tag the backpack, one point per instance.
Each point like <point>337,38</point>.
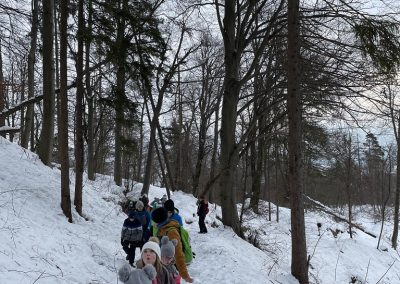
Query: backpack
<point>185,240</point>
<point>206,210</point>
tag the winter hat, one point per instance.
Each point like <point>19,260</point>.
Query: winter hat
<point>137,276</point>
<point>159,215</point>
<point>153,246</point>
<point>139,205</point>
<point>168,247</point>
<point>169,205</point>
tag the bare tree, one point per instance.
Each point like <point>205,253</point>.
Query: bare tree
<point>28,123</point>
<point>238,29</point>
<point>299,264</point>
<point>63,120</point>
<point>79,111</point>
<point>2,93</point>
<point>46,140</point>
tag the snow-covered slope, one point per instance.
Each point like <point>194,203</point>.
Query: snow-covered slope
<point>38,245</point>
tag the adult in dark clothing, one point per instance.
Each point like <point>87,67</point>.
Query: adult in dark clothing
<point>131,235</point>
<point>202,210</point>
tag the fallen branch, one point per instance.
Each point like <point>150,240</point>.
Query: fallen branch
<point>327,210</point>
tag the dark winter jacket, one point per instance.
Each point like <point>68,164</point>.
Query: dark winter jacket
<point>202,208</point>
<point>132,230</point>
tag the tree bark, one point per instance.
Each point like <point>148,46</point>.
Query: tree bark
<point>397,194</point>
<point>2,93</point>
<point>90,99</point>
<point>119,94</point>
<point>63,120</point>
<point>79,110</point>
<point>46,140</point>
<point>299,266</point>
<point>31,75</point>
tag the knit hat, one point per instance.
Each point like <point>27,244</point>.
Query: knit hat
<point>168,247</point>
<point>137,276</point>
<point>159,215</point>
<point>139,205</point>
<point>169,205</point>
<point>153,246</point>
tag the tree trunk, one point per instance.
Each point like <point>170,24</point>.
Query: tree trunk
<point>215,150</point>
<point>228,120</point>
<point>2,93</point>
<point>46,140</point>
<point>31,75</point>
<point>79,153</point>
<point>63,120</point>
<point>299,264</point>
<point>397,195</point>
<point>90,99</point>
<point>120,94</point>
<point>138,172</point>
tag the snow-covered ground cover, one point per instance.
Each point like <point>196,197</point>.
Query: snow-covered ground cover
<point>38,245</point>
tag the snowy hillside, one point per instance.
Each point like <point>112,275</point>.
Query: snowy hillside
<point>38,245</point>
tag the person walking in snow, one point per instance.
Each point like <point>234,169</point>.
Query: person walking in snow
<point>131,235</point>
<point>173,213</point>
<point>168,257</point>
<point>170,228</point>
<point>202,210</point>
<point>145,219</point>
<point>151,255</point>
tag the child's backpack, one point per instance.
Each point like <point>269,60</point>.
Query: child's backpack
<point>186,247</point>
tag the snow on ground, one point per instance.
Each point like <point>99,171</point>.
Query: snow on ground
<point>38,245</point>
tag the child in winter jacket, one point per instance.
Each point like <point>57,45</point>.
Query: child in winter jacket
<point>137,276</point>
<point>168,257</point>
<point>131,235</point>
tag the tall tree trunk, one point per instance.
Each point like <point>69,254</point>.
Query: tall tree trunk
<point>397,195</point>
<point>139,162</point>
<point>179,158</point>
<point>228,120</point>
<point>46,140</point>
<point>90,99</point>
<point>215,150</point>
<point>2,92</point>
<point>57,75</point>
<point>31,75</point>
<point>79,154</point>
<point>165,154</point>
<point>348,187</point>
<point>120,94</point>
<point>299,264</point>
<point>63,120</point>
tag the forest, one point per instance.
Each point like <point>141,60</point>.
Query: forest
<point>268,100</point>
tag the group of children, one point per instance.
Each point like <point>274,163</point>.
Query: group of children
<point>162,258</point>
